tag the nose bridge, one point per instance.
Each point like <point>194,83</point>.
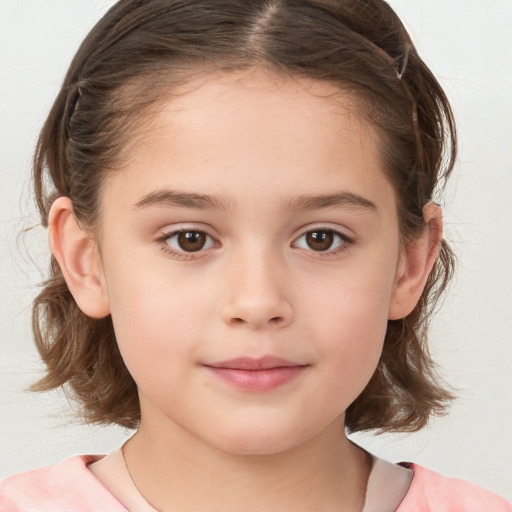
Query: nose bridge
<point>257,292</point>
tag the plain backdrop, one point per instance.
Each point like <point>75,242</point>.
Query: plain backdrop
<point>467,43</point>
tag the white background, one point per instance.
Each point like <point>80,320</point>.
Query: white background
<point>468,45</point>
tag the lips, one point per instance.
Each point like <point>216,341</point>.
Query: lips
<point>257,374</point>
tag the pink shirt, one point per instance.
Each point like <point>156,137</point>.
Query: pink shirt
<point>71,487</point>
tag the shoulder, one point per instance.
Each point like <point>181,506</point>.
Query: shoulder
<point>66,487</point>
<point>432,492</point>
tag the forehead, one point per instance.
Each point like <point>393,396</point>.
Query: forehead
<point>256,88</point>
<point>248,99</point>
<point>257,125</point>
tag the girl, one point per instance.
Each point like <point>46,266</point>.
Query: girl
<point>245,258</point>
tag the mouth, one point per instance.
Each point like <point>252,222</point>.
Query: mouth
<point>257,374</point>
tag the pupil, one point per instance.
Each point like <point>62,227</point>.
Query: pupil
<point>191,241</point>
<point>320,240</point>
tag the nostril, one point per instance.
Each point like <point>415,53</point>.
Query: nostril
<point>276,320</point>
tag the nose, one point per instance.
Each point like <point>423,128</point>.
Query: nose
<point>258,296</point>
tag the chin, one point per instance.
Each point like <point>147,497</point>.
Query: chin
<point>264,441</point>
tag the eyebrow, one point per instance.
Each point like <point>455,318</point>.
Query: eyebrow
<point>173,198</point>
<point>305,202</point>
<point>336,200</point>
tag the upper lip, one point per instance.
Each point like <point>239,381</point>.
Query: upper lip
<point>254,363</point>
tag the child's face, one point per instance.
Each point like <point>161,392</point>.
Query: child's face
<point>289,249</point>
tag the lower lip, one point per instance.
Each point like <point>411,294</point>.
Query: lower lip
<point>258,380</point>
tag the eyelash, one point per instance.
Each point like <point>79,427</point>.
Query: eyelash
<point>344,243</point>
<point>163,240</point>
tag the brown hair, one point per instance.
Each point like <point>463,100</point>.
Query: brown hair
<point>137,53</point>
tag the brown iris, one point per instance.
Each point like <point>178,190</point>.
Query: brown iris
<point>320,240</point>
<point>191,241</point>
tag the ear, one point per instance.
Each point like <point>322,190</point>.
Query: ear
<point>416,263</point>
<point>79,260</point>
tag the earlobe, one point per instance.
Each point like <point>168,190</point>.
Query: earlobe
<point>418,259</point>
<point>78,258</point>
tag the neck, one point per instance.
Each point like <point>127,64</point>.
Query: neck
<point>175,471</point>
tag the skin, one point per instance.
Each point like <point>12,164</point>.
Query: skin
<point>257,143</point>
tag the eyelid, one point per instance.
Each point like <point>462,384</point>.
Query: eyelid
<point>180,227</point>
<point>348,239</point>
<point>325,226</point>
<point>171,231</point>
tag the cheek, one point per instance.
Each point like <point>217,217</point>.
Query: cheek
<point>154,320</point>
<point>353,337</point>
<point>351,323</point>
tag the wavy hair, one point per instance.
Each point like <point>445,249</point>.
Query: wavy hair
<point>140,51</point>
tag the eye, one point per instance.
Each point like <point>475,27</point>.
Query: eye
<point>188,241</point>
<point>322,240</point>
